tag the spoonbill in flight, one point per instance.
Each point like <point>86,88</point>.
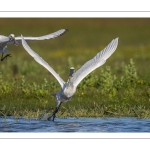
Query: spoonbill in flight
<point>68,88</point>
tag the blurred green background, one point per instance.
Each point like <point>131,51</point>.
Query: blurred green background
<point>86,37</point>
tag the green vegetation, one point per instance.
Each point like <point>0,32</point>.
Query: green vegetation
<point>103,95</point>
<point>121,87</point>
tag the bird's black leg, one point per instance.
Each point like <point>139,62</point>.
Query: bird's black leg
<point>3,57</point>
<point>52,116</point>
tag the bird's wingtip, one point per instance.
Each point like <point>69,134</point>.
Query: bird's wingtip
<point>116,39</point>
<point>67,29</point>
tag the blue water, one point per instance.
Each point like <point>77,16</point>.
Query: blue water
<point>122,124</point>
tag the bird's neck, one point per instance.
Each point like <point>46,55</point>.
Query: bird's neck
<point>69,82</point>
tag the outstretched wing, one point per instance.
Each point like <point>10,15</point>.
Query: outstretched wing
<point>94,63</point>
<point>42,62</point>
<point>45,37</point>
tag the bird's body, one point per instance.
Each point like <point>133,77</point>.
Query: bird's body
<point>11,39</point>
<point>68,88</point>
<point>4,40</point>
<point>66,92</point>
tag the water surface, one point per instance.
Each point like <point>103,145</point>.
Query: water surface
<point>122,124</point>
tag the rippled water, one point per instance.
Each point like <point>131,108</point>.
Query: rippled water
<point>121,124</point>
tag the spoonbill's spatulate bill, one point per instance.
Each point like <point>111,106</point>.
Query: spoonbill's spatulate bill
<point>69,88</point>
<point>11,39</point>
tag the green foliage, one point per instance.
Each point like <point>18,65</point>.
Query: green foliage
<point>130,75</point>
<point>103,95</point>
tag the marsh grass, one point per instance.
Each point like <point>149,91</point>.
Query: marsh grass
<point>96,96</point>
<point>121,87</point>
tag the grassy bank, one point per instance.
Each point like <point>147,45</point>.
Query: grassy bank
<point>97,96</point>
<point>121,87</point>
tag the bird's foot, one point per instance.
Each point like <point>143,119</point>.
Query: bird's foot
<point>8,55</point>
<point>51,117</point>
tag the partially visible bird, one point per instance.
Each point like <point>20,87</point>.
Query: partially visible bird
<point>11,39</point>
<point>69,88</point>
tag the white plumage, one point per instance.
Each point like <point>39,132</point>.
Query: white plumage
<point>69,88</point>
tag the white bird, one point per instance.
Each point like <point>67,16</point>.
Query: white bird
<point>11,39</point>
<point>69,88</point>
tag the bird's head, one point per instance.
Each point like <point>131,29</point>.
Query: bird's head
<point>71,72</point>
<point>12,38</point>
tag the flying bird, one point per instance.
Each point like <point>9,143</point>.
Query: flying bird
<point>68,88</point>
<point>11,39</point>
